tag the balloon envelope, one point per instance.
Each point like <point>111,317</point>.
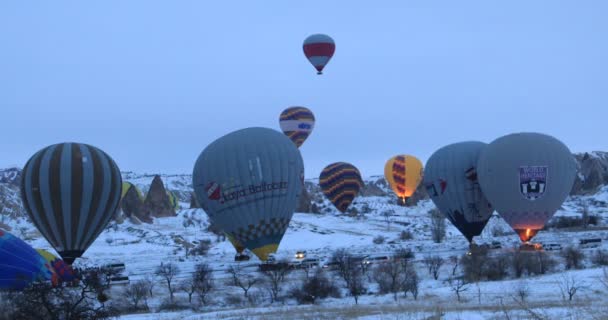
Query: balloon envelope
<point>340,182</point>
<point>526,177</point>
<point>403,174</point>
<point>62,270</point>
<point>319,48</point>
<point>20,264</point>
<point>297,123</point>
<point>450,178</point>
<point>249,182</point>
<point>71,191</point>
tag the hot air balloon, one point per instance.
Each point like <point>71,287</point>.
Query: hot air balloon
<point>403,174</point>
<point>249,182</point>
<point>64,272</point>
<point>70,191</point>
<point>526,177</point>
<point>20,264</point>
<point>450,178</point>
<point>340,182</point>
<point>173,200</point>
<point>126,186</point>
<point>319,48</point>
<point>297,123</point>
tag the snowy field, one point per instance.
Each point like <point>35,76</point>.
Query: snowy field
<point>143,247</point>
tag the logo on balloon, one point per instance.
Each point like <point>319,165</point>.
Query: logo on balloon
<point>533,181</point>
<point>213,191</point>
<point>304,126</point>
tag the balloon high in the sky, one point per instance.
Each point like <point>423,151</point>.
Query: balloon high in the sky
<point>297,123</point>
<point>450,178</point>
<point>249,183</point>
<point>20,264</point>
<point>319,48</point>
<point>403,174</point>
<point>526,177</point>
<point>340,182</point>
<point>71,191</point>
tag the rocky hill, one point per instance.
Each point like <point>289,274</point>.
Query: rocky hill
<point>592,175</point>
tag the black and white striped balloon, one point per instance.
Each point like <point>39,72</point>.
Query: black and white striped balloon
<point>71,191</point>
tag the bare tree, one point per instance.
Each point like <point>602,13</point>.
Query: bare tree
<point>203,281</point>
<point>574,257</point>
<point>242,280</point>
<point>569,286</point>
<point>387,214</point>
<point>410,280</point>
<point>433,264</point>
<point>389,277</point>
<point>276,277</point>
<point>168,272</point>
<point>356,285</point>
<point>150,284</point>
<point>585,215</point>
<point>136,293</point>
<point>189,287</point>
<point>438,225</point>
<point>600,257</point>
<point>455,263</point>
<point>319,286</point>
<point>458,285</point>
<point>521,291</point>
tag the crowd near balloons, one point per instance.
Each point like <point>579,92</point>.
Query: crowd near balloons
<point>249,183</point>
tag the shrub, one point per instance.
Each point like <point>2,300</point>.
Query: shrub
<point>573,257</point>
<point>319,286</point>
<point>406,235</point>
<point>379,239</point>
<point>600,257</point>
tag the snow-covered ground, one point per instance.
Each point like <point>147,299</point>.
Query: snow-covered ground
<point>143,247</point>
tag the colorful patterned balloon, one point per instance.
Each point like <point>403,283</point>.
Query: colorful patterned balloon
<point>20,264</point>
<point>297,123</point>
<point>340,182</point>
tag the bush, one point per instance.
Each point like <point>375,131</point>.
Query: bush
<point>406,235</point>
<point>319,286</point>
<point>573,257</point>
<point>379,239</point>
<point>600,257</point>
<point>202,248</point>
<point>403,254</point>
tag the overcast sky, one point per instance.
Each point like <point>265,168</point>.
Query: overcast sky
<point>153,82</point>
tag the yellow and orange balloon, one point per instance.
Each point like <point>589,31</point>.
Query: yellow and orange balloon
<point>403,173</point>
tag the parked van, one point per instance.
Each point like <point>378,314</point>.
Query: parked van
<point>590,243</point>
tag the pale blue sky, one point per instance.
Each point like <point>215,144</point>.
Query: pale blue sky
<point>153,82</point>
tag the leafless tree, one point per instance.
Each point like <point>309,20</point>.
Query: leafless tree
<point>521,291</point>
<point>438,225</point>
<point>356,285</point>
<point>203,281</point>
<point>168,272</point>
<point>573,257</point>
<point>276,277</point>
<point>433,264</point>
<point>458,285</point>
<point>189,287</point>
<point>410,280</point>
<point>455,263</point>
<point>585,215</point>
<point>319,286</point>
<point>389,277</point>
<point>242,280</point>
<point>569,285</point>
<point>600,257</point>
<point>136,293</point>
<point>150,283</point>
<point>387,214</point>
